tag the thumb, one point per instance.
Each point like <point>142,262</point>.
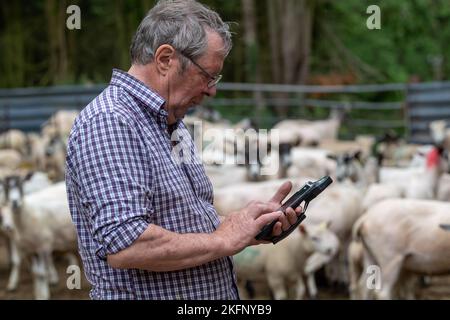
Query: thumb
<point>282,192</point>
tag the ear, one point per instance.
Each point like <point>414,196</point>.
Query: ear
<point>302,229</point>
<point>332,157</point>
<point>163,58</point>
<point>28,176</point>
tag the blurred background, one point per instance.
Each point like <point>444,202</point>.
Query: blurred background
<point>384,93</point>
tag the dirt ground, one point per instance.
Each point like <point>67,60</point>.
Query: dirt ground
<point>438,288</point>
<point>25,287</point>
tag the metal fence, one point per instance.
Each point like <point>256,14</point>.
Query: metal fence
<point>425,103</point>
<point>415,106</point>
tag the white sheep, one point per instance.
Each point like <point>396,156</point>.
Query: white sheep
<point>60,124</point>
<point>14,139</point>
<point>403,237</point>
<point>341,205</point>
<point>10,159</point>
<point>284,264</point>
<point>310,133</point>
<point>309,162</point>
<point>40,225</point>
<point>234,197</point>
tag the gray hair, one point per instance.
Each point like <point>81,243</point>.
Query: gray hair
<point>181,24</point>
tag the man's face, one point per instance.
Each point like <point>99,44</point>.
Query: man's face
<point>188,88</point>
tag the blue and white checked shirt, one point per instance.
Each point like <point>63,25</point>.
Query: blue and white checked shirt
<point>121,177</point>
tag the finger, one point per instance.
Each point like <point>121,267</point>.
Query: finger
<point>259,209</point>
<point>299,210</point>
<point>284,222</point>
<point>277,229</point>
<point>268,218</point>
<point>291,216</point>
<point>282,192</point>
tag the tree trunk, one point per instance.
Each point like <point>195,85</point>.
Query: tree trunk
<point>253,70</point>
<point>56,30</point>
<point>292,22</point>
<point>274,34</point>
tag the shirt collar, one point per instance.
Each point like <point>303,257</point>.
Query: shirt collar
<point>139,90</point>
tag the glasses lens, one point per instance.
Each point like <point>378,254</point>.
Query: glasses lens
<point>215,81</point>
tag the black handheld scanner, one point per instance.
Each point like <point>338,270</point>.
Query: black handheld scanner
<point>306,194</point>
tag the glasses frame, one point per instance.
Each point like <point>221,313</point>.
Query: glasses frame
<point>214,80</point>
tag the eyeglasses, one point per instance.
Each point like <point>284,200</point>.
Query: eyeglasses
<point>214,80</point>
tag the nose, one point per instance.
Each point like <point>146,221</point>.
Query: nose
<point>210,92</point>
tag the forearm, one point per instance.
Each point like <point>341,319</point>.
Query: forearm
<point>158,249</point>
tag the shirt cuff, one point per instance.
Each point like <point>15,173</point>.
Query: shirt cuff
<point>122,237</point>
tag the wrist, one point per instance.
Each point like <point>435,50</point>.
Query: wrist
<point>220,244</point>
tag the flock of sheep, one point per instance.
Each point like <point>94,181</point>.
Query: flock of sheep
<point>388,207</point>
<point>34,213</point>
<point>387,210</point>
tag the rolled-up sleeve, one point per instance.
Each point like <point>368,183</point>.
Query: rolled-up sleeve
<point>113,169</point>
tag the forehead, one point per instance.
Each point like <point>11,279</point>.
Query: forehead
<point>213,56</point>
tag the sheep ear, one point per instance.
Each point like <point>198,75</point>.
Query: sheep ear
<point>302,229</point>
<point>28,176</point>
<point>332,157</point>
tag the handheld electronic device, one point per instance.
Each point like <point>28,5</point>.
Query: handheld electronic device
<point>307,193</point>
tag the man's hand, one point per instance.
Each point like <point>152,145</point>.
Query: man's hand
<point>239,229</point>
<point>285,221</point>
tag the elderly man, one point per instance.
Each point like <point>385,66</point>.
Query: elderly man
<point>146,224</point>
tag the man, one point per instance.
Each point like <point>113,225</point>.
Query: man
<point>146,225</point>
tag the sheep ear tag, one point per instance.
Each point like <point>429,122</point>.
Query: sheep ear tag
<point>306,194</point>
<point>433,158</point>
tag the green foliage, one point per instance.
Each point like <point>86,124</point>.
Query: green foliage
<point>413,39</point>
<point>413,43</point>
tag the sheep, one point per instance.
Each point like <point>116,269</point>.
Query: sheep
<point>15,187</point>
<point>271,163</point>
<point>414,182</point>
<point>285,262</point>
<point>309,162</point>
<point>14,139</point>
<point>379,192</point>
<point>290,132</point>
<point>41,225</point>
<point>223,144</point>
<point>362,144</point>
<point>10,158</point>
<point>402,237</point>
<point>443,191</point>
<point>234,197</point>
<point>310,133</point>
<point>425,184</point>
<point>55,160</point>
<point>341,204</point>
<point>59,124</point>
<point>225,175</point>
<point>355,256</point>
<point>37,150</point>
<point>440,133</point>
